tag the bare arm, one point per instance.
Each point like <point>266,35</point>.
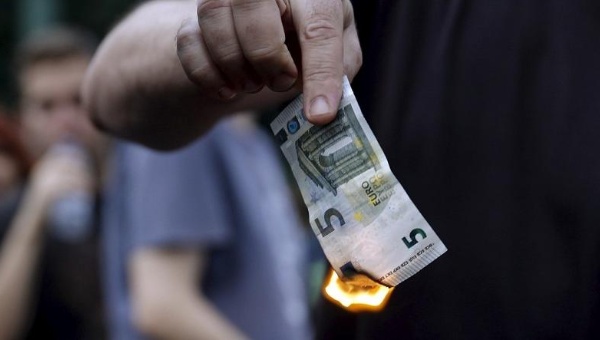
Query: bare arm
<point>20,251</point>
<point>146,85</point>
<point>167,302</point>
<point>18,261</point>
<point>136,87</point>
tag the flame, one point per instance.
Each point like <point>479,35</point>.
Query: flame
<point>358,294</point>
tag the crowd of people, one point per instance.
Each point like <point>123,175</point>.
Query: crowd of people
<point>487,112</point>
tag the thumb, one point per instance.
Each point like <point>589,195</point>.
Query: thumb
<point>320,25</point>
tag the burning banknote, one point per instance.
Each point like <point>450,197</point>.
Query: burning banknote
<point>365,222</point>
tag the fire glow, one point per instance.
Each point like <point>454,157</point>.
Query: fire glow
<point>357,295</point>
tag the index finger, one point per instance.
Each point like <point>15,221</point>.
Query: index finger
<point>261,35</point>
<point>320,27</point>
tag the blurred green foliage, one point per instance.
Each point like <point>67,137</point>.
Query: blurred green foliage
<point>19,17</point>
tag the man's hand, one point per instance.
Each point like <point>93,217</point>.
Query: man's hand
<point>239,46</point>
<point>137,88</point>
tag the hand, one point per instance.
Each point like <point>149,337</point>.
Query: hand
<point>56,175</point>
<point>238,46</point>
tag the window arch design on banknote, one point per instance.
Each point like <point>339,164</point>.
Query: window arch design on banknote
<point>361,215</point>
<point>333,154</point>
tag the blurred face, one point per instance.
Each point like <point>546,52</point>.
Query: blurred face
<point>51,107</point>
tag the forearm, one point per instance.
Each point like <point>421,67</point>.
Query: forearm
<point>167,302</point>
<point>135,65</point>
<point>186,316</point>
<point>18,262</point>
<point>136,86</point>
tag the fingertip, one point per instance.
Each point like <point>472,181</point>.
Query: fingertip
<point>321,120</point>
<point>321,110</point>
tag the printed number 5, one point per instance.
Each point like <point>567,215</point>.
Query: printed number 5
<point>328,215</point>
<point>413,237</point>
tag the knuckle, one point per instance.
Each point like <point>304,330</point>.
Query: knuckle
<point>354,54</point>
<point>201,75</point>
<point>229,54</point>
<point>208,8</point>
<point>321,30</point>
<point>207,79</point>
<point>246,6</point>
<point>186,36</point>
<point>359,59</point>
<point>352,68</point>
<point>348,13</point>
<point>321,74</point>
<point>266,54</point>
<point>186,58</point>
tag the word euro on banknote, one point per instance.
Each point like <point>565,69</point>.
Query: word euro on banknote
<point>363,218</point>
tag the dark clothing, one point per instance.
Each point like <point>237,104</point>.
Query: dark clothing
<point>8,207</point>
<point>489,114</point>
<point>66,301</point>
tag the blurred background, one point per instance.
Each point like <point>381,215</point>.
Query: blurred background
<point>18,18</point>
<point>81,239</point>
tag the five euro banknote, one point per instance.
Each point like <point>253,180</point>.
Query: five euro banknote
<point>361,215</point>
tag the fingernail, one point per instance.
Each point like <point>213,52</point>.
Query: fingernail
<point>283,82</point>
<point>319,106</point>
<point>226,93</point>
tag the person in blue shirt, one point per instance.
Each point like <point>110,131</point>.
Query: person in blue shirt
<point>205,242</point>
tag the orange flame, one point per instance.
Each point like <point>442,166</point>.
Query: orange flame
<point>358,294</point>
